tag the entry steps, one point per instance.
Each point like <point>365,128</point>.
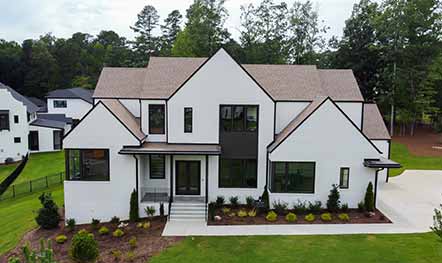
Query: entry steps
<point>188,211</point>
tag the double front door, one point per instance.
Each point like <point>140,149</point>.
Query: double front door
<point>188,178</point>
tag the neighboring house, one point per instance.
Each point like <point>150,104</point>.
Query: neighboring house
<point>192,129</point>
<point>74,102</point>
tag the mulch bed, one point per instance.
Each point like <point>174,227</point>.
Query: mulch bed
<point>423,142</point>
<point>149,241</point>
<point>356,217</point>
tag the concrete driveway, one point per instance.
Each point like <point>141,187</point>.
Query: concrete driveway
<point>410,199</point>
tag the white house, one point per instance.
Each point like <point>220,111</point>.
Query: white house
<point>73,102</point>
<point>191,129</point>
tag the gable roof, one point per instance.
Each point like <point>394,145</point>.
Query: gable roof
<point>73,93</point>
<point>48,123</point>
<point>373,125</point>
<point>164,75</point>
<point>30,106</point>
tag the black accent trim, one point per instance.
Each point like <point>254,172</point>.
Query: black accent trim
<point>44,126</point>
<point>207,179</point>
<point>168,152</point>
<point>108,155</point>
<point>136,174</point>
<point>166,119</point>
<point>274,120</point>
<point>362,117</point>
<point>389,157</point>
<point>172,175</point>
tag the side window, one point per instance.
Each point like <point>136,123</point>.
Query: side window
<point>16,118</point>
<point>60,104</point>
<point>4,120</point>
<point>344,178</point>
<point>87,165</point>
<point>157,166</point>
<point>17,140</point>
<point>156,119</point>
<point>188,119</point>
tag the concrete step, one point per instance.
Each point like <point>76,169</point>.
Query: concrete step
<point>188,205</point>
<point>187,217</point>
<point>188,209</point>
<point>172,213</point>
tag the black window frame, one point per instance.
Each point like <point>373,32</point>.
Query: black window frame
<point>163,176</point>
<point>286,174</point>
<point>341,181</point>
<point>4,121</point>
<point>64,104</point>
<point>60,143</point>
<point>243,184</point>
<point>152,108</point>
<point>188,127</point>
<point>81,168</point>
<point>16,119</point>
<point>17,139</point>
<point>245,122</point>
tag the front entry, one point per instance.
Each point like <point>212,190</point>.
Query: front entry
<point>188,178</point>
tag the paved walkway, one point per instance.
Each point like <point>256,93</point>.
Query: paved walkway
<point>408,200</point>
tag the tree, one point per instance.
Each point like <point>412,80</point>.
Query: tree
<point>369,198</point>
<point>47,216</point>
<point>145,44</point>
<point>134,210</point>
<point>333,202</point>
<point>10,64</point>
<point>170,29</point>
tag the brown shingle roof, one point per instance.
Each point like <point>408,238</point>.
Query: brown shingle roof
<point>373,126</point>
<point>120,83</point>
<point>340,84</point>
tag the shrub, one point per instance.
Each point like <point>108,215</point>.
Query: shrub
<point>271,216</point>
<point>315,207</point>
<point>133,242</point>
<point>344,208</point>
<point>47,216</point>
<point>133,211</point>
<point>220,201</point>
<point>361,207</point>
<point>44,254</point>
<point>280,207</point>
<point>161,209</point>
<point>150,211</point>
<point>265,198</point>
<point>146,225</point>
<point>95,223</point>
<point>291,217</point>
<point>437,222</point>
<point>333,199</point>
<point>130,256</point>
<point>70,224</point>
<point>369,198</point>
<point>300,207</point>
<point>84,248</point>
<point>117,254</point>
<point>242,213</point>
<point>226,210</point>
<point>115,220</point>
<point>103,230</point>
<point>344,217</point>
<point>234,201</point>
<point>61,239</point>
<point>252,213</point>
<point>326,217</point>
<point>310,217</point>
<point>118,233</point>
<point>250,201</point>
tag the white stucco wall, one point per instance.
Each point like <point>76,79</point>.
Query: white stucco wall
<point>286,112</point>
<point>145,120</point>
<point>45,138</point>
<point>383,146</point>
<point>9,149</point>
<point>353,111</point>
<point>76,108</point>
<point>102,200</point>
<point>331,141</point>
<point>132,105</point>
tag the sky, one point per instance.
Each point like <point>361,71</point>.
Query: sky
<point>24,19</point>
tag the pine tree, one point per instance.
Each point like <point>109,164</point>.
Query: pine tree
<point>369,198</point>
<point>333,202</point>
<point>134,210</point>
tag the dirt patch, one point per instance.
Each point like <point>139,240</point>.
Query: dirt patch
<point>149,241</point>
<point>425,142</point>
<point>355,218</point>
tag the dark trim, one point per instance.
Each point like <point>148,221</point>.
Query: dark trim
<point>164,118</point>
<point>207,179</point>
<point>53,140</point>
<point>380,139</point>
<point>136,174</point>
<point>376,186</point>
<point>164,167</point>
<point>267,168</point>
<point>71,98</point>
<point>199,176</point>
<point>129,98</point>
<point>169,152</point>
<point>286,175</point>
<point>141,117</point>
<point>44,126</point>
<point>172,175</point>
<point>108,155</point>
<point>340,178</point>
<point>362,117</point>
<point>389,157</point>
<point>343,101</point>
<point>274,120</point>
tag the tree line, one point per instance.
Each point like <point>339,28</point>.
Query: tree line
<point>393,47</point>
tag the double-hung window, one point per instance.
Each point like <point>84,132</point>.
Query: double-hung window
<point>344,178</point>
<point>156,118</point>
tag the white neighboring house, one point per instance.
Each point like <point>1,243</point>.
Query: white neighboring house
<point>185,130</point>
<point>73,102</point>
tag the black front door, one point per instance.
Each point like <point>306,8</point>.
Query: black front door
<point>188,178</point>
<point>33,141</point>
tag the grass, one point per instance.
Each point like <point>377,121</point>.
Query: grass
<point>329,249</point>
<point>400,153</point>
<point>42,164</point>
<point>17,216</point>
<point>6,170</point>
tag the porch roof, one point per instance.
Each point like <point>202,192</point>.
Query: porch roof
<point>381,163</point>
<point>172,148</point>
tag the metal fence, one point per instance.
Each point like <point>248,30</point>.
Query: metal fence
<point>20,189</point>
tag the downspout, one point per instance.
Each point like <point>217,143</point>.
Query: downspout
<point>376,186</point>
<point>136,178</point>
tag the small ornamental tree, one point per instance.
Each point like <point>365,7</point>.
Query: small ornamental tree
<point>265,198</point>
<point>47,216</point>
<point>369,198</point>
<point>437,225</point>
<point>333,202</point>
<point>134,211</point>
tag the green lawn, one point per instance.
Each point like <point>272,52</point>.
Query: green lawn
<point>400,153</point>
<point>328,249</point>
<point>17,216</point>
<point>6,170</point>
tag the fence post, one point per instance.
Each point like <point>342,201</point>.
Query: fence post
<point>30,186</point>
<point>47,185</point>
<point>13,191</point>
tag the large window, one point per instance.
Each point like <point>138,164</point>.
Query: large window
<point>344,178</point>
<point>237,173</point>
<point>293,177</point>
<point>87,165</point>
<point>57,139</point>
<point>188,118</point>
<point>239,118</point>
<point>4,120</point>
<point>60,104</point>
<point>156,119</point>
<point>157,166</point>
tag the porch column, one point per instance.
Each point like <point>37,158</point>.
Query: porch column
<point>171,180</point>
<point>207,179</point>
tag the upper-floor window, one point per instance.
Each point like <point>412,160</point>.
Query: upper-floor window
<point>238,118</point>
<point>4,120</point>
<point>188,120</point>
<point>87,165</point>
<point>156,118</point>
<point>16,118</point>
<point>344,178</point>
<point>60,104</point>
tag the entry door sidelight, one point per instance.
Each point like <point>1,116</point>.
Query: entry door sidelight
<point>188,178</point>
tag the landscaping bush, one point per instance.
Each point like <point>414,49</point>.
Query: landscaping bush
<point>326,217</point>
<point>310,217</point>
<point>250,201</point>
<point>84,248</point>
<point>265,198</point>
<point>300,207</point>
<point>133,211</point>
<point>103,230</point>
<point>47,216</point>
<point>150,211</point>
<point>291,217</point>
<point>280,207</point>
<point>234,201</point>
<point>242,213</point>
<point>130,256</point>
<point>61,239</point>
<point>315,207</point>
<point>344,208</point>
<point>43,255</point>
<point>333,199</point>
<point>95,223</point>
<point>437,224</point>
<point>361,207</point>
<point>115,220</point>
<point>271,216</point>
<point>226,210</point>
<point>344,217</point>
<point>369,198</point>
<point>252,213</point>
<point>117,254</point>
<point>70,224</point>
<point>145,225</point>
<point>118,233</point>
<point>161,209</point>
<point>133,242</point>
<point>220,201</point>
